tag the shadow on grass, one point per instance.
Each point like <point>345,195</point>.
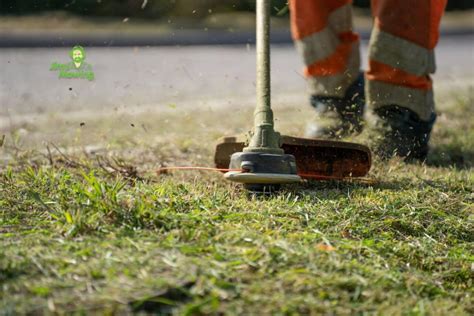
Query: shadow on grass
<point>165,302</point>
<point>451,155</point>
<point>340,188</point>
<point>344,186</point>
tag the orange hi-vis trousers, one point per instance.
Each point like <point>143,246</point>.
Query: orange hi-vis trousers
<point>401,56</point>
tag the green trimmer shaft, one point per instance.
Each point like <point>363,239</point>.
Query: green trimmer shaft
<point>265,165</point>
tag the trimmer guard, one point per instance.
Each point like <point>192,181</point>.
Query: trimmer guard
<point>314,157</point>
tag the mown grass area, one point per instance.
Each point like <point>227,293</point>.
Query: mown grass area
<point>98,231</point>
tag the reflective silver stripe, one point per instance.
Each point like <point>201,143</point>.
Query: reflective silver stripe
<point>400,53</point>
<point>317,46</point>
<point>380,94</point>
<point>336,85</point>
<point>322,44</point>
<point>340,20</point>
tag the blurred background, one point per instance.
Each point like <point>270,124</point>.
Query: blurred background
<point>142,17</point>
<point>150,56</point>
<point>159,8</point>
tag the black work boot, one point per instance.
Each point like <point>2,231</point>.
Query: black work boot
<point>339,117</point>
<point>402,133</point>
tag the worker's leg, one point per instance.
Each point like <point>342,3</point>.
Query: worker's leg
<point>401,55</point>
<point>322,31</point>
<point>401,59</point>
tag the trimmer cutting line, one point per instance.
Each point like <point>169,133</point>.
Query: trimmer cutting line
<point>270,159</point>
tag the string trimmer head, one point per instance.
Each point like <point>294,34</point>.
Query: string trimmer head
<point>269,159</point>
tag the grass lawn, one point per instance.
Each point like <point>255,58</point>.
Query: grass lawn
<point>86,225</point>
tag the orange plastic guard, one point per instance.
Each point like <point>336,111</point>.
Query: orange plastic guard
<point>314,157</point>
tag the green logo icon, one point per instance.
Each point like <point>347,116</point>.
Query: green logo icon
<point>77,68</point>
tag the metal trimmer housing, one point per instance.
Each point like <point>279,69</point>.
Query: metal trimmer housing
<point>263,163</point>
<point>261,172</point>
